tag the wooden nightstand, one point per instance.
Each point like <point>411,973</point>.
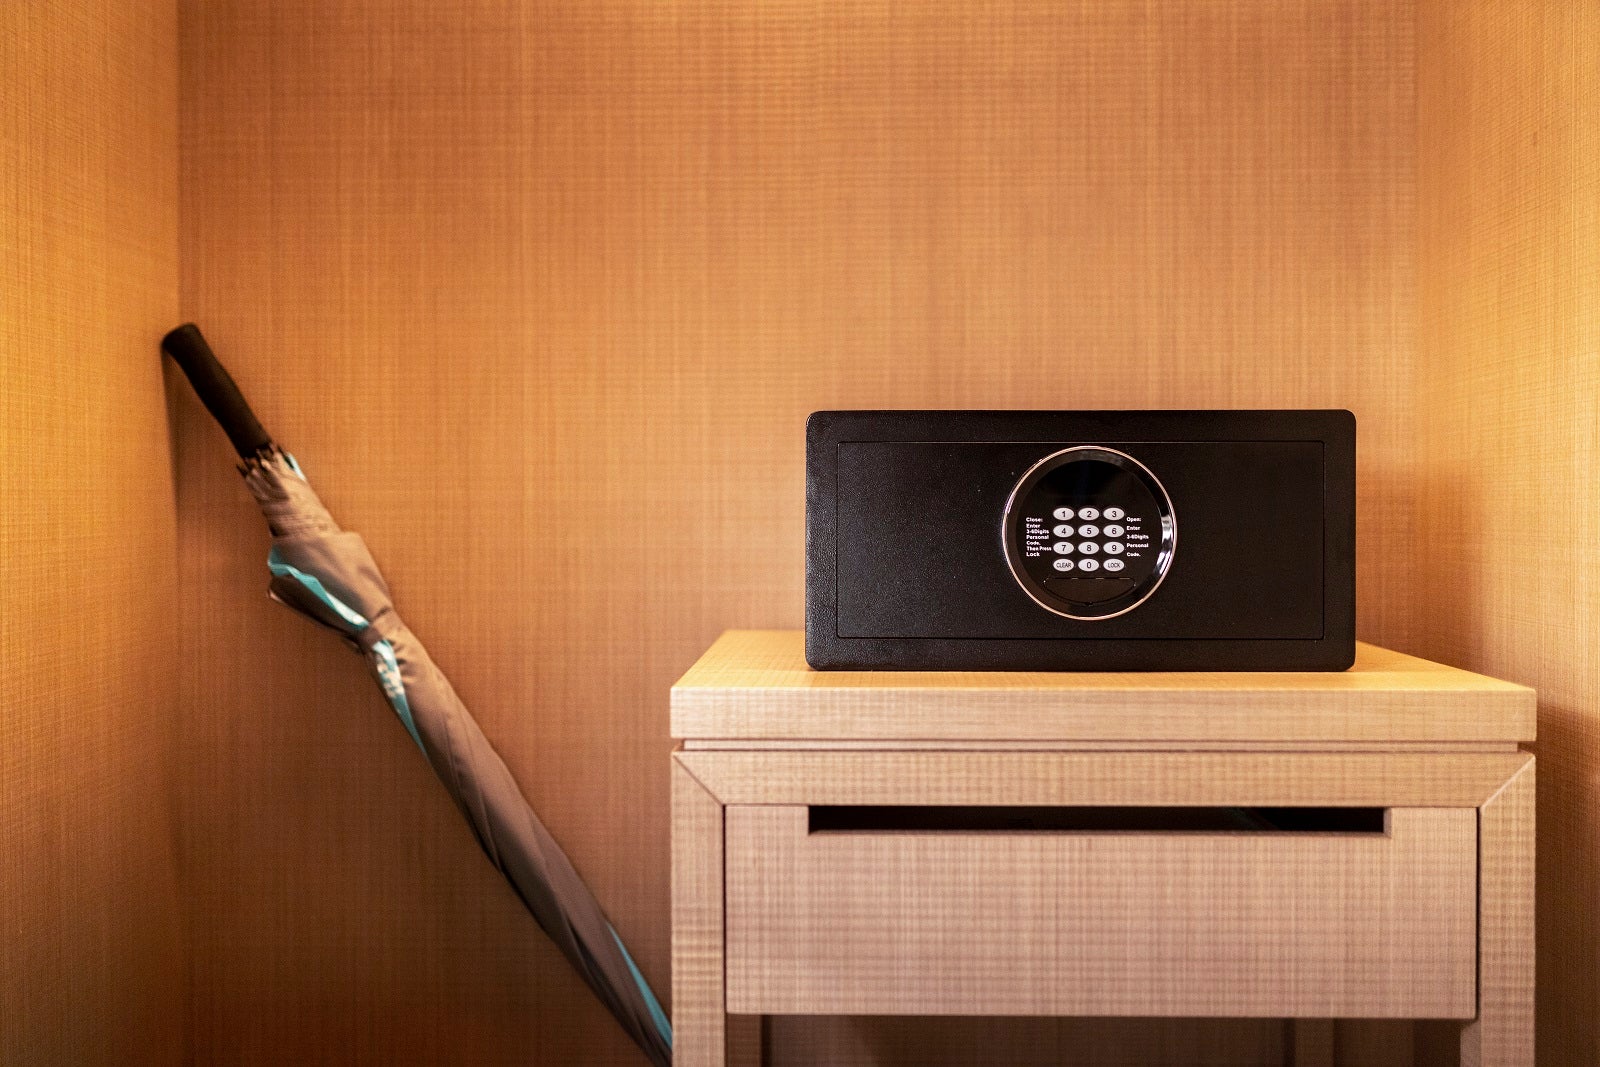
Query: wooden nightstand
<point>847,843</point>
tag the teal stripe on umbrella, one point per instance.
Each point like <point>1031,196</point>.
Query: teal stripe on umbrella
<point>384,662</point>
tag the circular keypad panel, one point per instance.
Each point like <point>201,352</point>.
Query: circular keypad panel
<point>1089,532</point>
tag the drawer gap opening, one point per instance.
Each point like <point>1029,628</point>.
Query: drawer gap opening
<point>878,818</point>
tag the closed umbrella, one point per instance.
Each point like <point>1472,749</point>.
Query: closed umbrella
<point>327,575</point>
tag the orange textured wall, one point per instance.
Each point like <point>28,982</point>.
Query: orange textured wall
<point>541,294</point>
<point>1509,372</point>
<point>90,950</point>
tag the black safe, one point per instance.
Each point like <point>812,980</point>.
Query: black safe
<point>1080,540</point>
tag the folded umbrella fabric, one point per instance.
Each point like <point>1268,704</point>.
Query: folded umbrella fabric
<point>328,575</point>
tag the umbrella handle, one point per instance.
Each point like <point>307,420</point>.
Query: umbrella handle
<point>216,389</point>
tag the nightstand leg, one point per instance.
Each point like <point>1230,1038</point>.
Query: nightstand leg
<point>1502,1034</point>
<point>698,1003</point>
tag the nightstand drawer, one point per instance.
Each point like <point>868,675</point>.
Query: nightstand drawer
<point>964,922</point>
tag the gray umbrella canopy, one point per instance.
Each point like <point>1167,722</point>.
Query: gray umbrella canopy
<point>328,575</point>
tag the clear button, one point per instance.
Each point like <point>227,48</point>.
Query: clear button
<point>1064,564</point>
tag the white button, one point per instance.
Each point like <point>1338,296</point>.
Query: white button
<point>1062,513</point>
<point>1114,513</point>
<point>1088,547</point>
<point>1062,547</point>
<point>1114,548</point>
<point>1062,531</point>
<point>1088,531</point>
<point>1114,564</point>
<point>1064,564</point>
<point>1113,531</point>
<point>1088,513</point>
<point>1089,564</point>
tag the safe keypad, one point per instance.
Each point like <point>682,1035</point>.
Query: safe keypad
<point>1088,532</point>
<point>1116,539</point>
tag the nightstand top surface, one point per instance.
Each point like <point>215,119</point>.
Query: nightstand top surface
<point>755,686</point>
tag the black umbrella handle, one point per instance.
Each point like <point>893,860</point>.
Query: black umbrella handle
<point>216,389</point>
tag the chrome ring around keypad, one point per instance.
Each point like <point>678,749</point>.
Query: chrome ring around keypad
<point>1118,565</point>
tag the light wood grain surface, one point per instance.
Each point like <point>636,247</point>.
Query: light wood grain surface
<point>698,993</point>
<point>1509,407</point>
<point>1359,925</point>
<point>756,685</point>
<point>541,293</point>
<point>1503,1032</point>
<point>91,968</point>
<point>870,922</point>
<point>1115,778</point>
